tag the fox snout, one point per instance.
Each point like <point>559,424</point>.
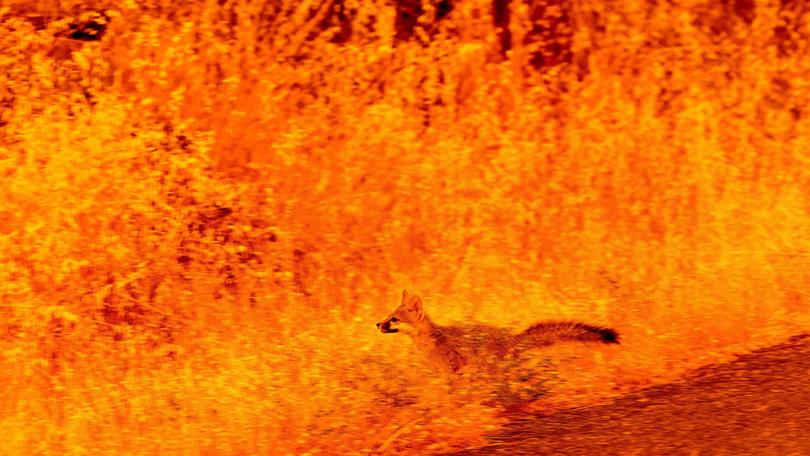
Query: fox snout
<point>385,325</point>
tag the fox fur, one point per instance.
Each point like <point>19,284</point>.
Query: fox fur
<point>481,346</point>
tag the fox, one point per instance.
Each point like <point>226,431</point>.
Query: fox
<point>482,346</point>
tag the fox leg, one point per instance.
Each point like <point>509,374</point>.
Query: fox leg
<point>454,361</point>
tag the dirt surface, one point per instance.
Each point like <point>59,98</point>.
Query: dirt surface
<point>757,404</point>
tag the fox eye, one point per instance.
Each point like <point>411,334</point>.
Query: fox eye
<point>394,319</point>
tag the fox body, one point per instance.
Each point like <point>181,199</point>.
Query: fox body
<point>481,346</point>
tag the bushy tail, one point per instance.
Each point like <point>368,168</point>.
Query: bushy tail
<point>551,332</point>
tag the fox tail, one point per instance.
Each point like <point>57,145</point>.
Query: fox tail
<point>551,332</point>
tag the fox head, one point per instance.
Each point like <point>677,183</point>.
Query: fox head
<point>409,311</point>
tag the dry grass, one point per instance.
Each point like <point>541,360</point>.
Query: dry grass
<point>205,212</point>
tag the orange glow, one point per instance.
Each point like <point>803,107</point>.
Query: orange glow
<point>206,206</point>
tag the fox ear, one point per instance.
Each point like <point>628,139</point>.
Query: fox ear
<point>404,296</point>
<point>414,304</point>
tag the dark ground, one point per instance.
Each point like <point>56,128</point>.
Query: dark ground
<point>758,404</point>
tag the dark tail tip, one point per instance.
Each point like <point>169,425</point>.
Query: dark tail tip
<point>609,336</point>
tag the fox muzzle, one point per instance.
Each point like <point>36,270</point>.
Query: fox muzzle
<point>385,326</point>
